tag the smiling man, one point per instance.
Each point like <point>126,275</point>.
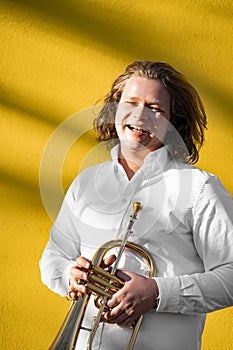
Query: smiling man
<point>154,121</point>
<point>141,120</point>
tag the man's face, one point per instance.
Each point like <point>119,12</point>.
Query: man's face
<point>143,114</point>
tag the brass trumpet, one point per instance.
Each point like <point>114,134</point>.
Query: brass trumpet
<point>102,284</point>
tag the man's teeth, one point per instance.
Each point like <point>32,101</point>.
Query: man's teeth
<point>137,128</point>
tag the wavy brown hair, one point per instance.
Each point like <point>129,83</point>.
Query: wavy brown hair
<point>187,111</point>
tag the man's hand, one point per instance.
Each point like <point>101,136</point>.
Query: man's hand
<point>79,274</point>
<point>134,299</point>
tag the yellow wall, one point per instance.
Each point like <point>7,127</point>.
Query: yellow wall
<point>57,58</point>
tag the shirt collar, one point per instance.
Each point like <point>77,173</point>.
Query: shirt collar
<point>154,162</point>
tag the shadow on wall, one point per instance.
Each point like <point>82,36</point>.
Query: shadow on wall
<point>95,22</point>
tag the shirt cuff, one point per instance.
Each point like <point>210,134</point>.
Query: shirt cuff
<point>66,276</point>
<point>168,294</point>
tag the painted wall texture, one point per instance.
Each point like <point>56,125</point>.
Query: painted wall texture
<point>59,57</point>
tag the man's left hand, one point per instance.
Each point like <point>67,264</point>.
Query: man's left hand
<point>137,296</point>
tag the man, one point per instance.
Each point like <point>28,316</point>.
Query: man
<point>158,121</point>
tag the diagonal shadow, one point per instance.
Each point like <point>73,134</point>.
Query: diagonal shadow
<point>29,191</point>
<point>219,8</point>
<point>85,18</point>
<point>8,100</point>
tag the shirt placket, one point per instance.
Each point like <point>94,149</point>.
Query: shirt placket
<point>128,194</point>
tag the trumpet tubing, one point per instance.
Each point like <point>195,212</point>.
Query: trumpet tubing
<point>102,284</point>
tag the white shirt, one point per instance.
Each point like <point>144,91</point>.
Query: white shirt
<point>186,224</point>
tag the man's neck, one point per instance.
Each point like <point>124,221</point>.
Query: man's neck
<point>131,161</point>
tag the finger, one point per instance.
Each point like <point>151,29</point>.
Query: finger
<point>76,285</point>
<point>77,280</point>
<point>108,261</point>
<point>72,295</point>
<point>123,275</point>
<point>112,302</point>
<point>83,263</point>
<point>78,274</point>
<point>112,316</point>
<point>127,321</point>
<point>110,319</point>
<point>121,319</point>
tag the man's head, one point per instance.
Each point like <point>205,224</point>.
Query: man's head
<point>187,113</point>
<point>143,115</point>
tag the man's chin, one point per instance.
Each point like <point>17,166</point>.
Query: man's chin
<point>134,147</point>
<point>146,147</point>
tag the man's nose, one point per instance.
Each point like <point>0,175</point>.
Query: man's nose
<point>141,112</point>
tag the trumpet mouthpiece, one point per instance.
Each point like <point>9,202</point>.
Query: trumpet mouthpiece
<point>137,206</point>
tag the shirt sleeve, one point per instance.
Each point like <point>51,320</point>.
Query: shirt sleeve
<point>62,248</point>
<point>212,289</point>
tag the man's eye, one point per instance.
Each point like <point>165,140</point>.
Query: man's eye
<point>132,103</point>
<point>156,109</point>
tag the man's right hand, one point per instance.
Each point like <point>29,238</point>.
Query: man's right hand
<point>79,274</point>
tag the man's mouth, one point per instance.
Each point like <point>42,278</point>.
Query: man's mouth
<point>137,129</point>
